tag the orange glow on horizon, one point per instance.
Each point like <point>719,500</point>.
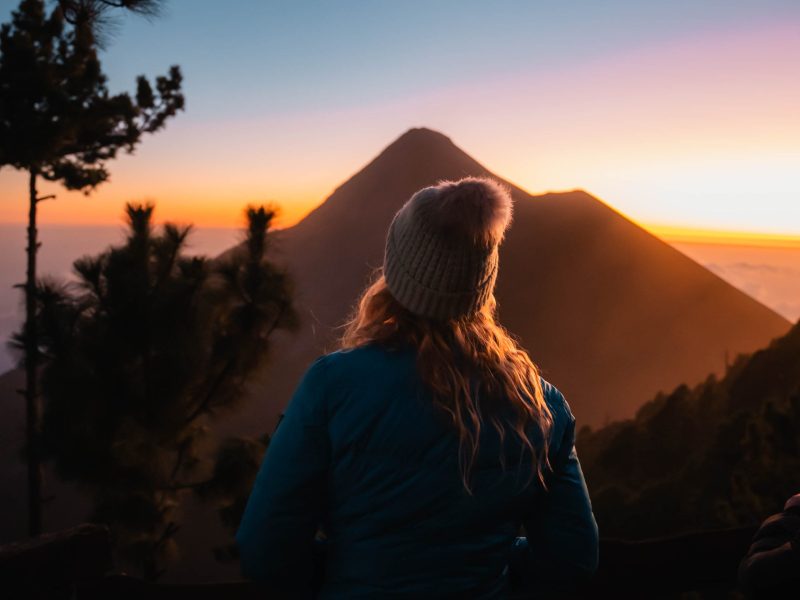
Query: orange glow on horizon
<point>220,212</point>
<point>672,233</point>
<point>223,210</point>
<point>698,131</point>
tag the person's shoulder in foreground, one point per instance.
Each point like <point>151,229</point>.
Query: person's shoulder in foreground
<point>561,550</point>
<point>771,568</point>
<point>558,405</point>
<point>355,360</point>
<point>358,371</point>
<point>329,372</point>
<point>287,500</point>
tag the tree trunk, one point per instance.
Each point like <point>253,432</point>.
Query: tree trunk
<point>33,426</point>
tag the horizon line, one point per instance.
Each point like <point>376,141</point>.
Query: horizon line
<point>668,233</point>
<point>722,237</point>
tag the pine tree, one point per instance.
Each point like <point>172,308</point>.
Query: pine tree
<point>140,355</point>
<point>58,122</point>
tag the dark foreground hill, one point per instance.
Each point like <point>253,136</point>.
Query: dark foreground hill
<point>723,453</point>
<point>611,313</point>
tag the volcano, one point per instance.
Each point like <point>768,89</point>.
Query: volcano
<point>610,313</point>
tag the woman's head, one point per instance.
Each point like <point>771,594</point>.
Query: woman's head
<point>435,291</point>
<point>441,252</point>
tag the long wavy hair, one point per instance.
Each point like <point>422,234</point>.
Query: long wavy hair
<point>474,366</point>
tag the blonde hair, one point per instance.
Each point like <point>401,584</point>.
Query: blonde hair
<point>450,355</point>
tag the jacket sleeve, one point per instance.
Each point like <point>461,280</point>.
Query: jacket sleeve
<point>276,535</point>
<point>561,528</point>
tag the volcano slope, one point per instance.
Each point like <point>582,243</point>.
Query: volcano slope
<point>611,313</point>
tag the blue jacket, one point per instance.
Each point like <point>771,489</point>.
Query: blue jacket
<point>361,454</point>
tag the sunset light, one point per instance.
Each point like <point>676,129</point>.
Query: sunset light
<point>419,299</point>
<point>693,126</point>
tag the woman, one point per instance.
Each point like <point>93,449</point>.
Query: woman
<point>421,446</point>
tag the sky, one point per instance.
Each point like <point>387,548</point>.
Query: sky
<point>684,116</point>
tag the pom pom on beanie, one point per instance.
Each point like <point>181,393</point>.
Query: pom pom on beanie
<point>441,253</point>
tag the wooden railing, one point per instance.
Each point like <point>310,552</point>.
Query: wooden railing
<point>77,564</point>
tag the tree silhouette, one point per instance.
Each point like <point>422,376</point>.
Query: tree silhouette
<point>102,16</point>
<point>140,353</point>
<point>724,453</point>
<point>59,122</point>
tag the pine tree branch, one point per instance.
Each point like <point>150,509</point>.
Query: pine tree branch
<point>184,445</point>
<point>204,405</point>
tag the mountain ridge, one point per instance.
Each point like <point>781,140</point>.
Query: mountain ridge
<point>559,259</point>
<point>578,247</point>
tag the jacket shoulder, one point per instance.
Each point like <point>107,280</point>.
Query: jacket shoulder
<point>336,361</point>
<point>562,432</point>
<point>362,360</point>
<point>557,403</point>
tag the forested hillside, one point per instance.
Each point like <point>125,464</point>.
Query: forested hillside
<point>724,453</point>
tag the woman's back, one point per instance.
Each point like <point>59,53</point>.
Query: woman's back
<point>391,500</point>
<point>423,444</point>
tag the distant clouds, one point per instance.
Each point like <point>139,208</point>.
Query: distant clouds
<point>770,275</point>
<point>777,287</point>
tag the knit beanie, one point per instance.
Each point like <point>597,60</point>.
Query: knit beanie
<point>441,253</point>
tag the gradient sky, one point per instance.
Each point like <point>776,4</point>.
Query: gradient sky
<point>682,115</point>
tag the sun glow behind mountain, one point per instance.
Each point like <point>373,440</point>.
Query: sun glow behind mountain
<point>684,118</point>
<point>721,237</point>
